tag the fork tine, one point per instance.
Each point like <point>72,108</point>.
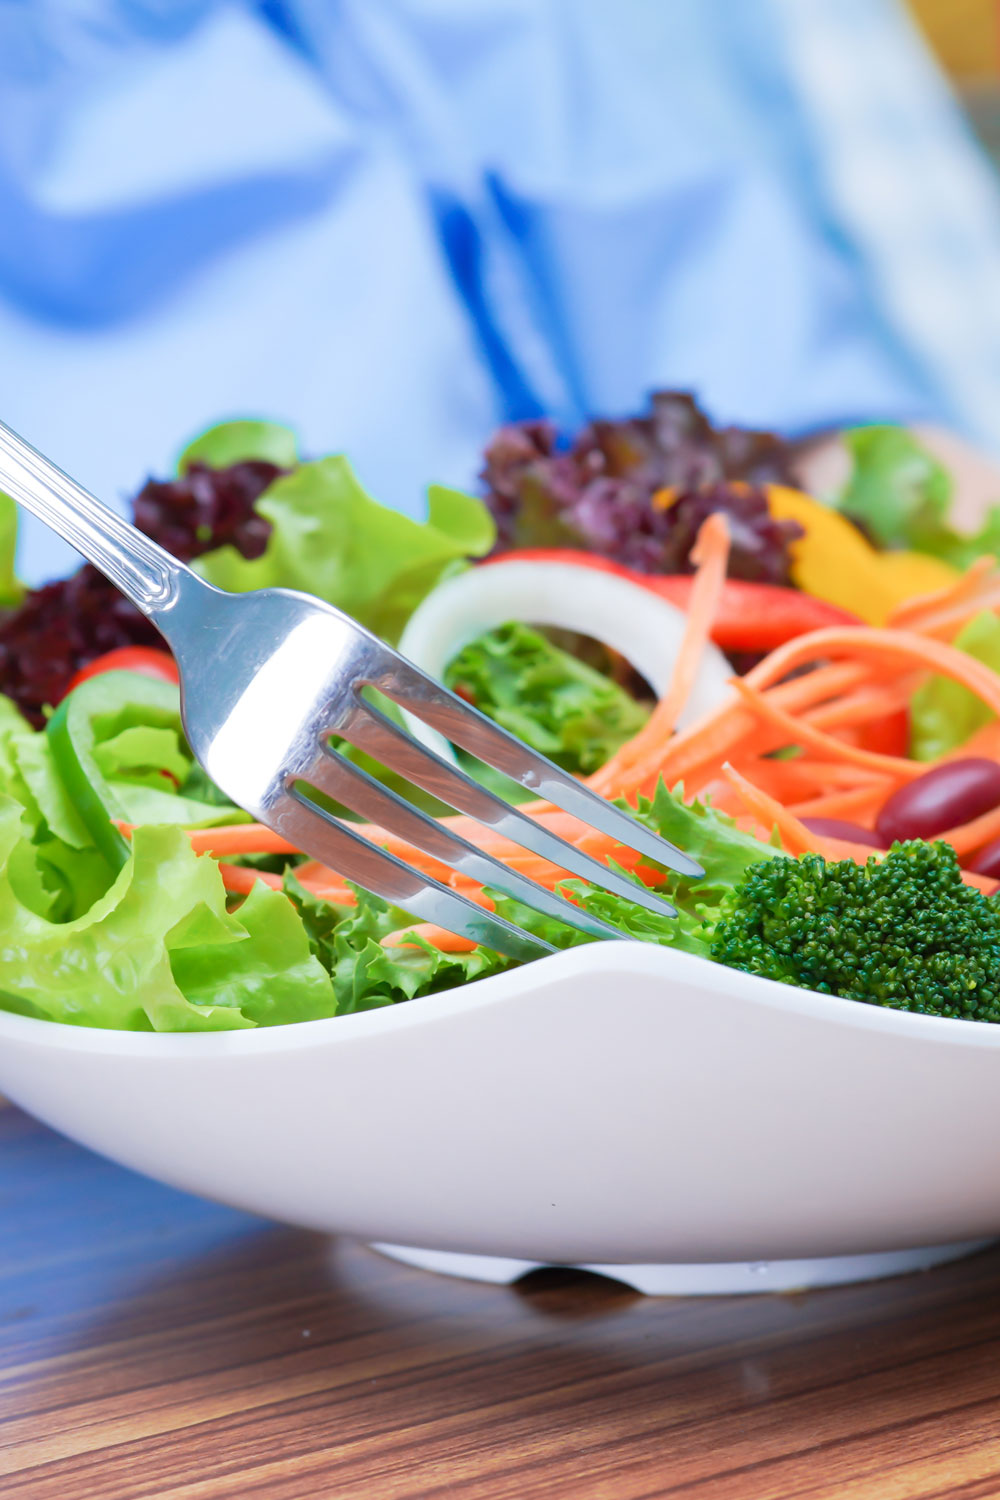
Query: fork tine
<point>352,786</point>
<point>459,722</point>
<point>370,730</point>
<point>317,832</point>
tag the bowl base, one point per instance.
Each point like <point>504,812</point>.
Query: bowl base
<point>708,1279</point>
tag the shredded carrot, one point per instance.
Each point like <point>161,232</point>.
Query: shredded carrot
<point>241,879</point>
<point>915,613</point>
<point>239,838</point>
<point>338,894</point>
<point>800,732</point>
<point>779,778</point>
<point>864,704</point>
<point>890,648</point>
<point>794,835</point>
<point>830,774</point>
<point>859,804</point>
<point>710,554</point>
<point>985,741</point>
<point>946,625</point>
<point>968,837</point>
<point>709,741</point>
<point>437,937</point>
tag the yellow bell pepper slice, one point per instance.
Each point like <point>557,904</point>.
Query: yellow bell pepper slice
<point>833,561</point>
<point>915,573</point>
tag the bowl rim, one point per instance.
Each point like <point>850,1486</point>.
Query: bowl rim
<point>615,959</point>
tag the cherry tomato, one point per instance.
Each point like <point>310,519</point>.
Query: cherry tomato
<point>144,659</point>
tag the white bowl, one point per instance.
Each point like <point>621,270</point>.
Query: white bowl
<point>616,1104</point>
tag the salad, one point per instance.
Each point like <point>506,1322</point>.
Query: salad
<point>842,790</point>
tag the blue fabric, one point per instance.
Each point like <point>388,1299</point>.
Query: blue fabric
<point>396,224</point>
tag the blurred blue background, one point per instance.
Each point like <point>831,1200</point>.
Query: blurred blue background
<point>395,223</point>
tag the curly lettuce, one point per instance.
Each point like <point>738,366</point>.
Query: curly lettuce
<point>556,703</point>
<point>330,538</point>
<point>158,951</point>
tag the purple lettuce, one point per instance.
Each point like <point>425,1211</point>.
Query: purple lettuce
<point>636,491</point>
<point>59,628</point>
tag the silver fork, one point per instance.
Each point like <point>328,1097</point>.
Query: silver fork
<point>268,677</point>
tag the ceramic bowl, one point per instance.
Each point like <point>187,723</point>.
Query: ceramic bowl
<point>612,1106</point>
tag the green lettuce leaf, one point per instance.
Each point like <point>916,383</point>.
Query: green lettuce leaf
<point>58,874</point>
<point>68,873</point>
<point>272,978</point>
<point>158,950</point>
<point>712,838</point>
<point>65,881</point>
<point>235,442</point>
<point>34,781</point>
<point>901,495</point>
<point>144,755</point>
<point>943,713</point>
<point>331,539</point>
<point>346,940</point>
<point>115,749</point>
<point>709,836</point>
<point>556,703</point>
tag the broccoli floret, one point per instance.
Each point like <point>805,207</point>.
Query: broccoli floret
<point>903,932</point>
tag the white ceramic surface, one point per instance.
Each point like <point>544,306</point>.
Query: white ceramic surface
<point>615,1103</point>
<point>699,1279</point>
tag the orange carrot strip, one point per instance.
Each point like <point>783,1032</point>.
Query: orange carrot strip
<point>858,803</point>
<point>886,646</point>
<point>970,836</point>
<point>241,879</point>
<point>711,556</point>
<point>985,741</point>
<point>828,774</point>
<point>708,741</point>
<point>782,779</point>
<point>799,732</point>
<point>864,704</point>
<point>340,895</point>
<point>437,937</point>
<point>236,878</point>
<point>794,835</point>
<point>239,838</point>
<point>801,777</point>
<point>946,626</point>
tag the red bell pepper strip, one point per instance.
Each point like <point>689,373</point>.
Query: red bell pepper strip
<point>146,660</point>
<point>751,617</point>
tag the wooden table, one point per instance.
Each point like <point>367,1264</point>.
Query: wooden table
<point>153,1345</point>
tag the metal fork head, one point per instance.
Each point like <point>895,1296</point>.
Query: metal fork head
<point>267,678</point>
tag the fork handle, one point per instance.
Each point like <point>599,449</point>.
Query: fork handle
<point>144,572</point>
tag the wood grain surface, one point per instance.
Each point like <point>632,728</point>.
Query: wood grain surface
<point>153,1345</point>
